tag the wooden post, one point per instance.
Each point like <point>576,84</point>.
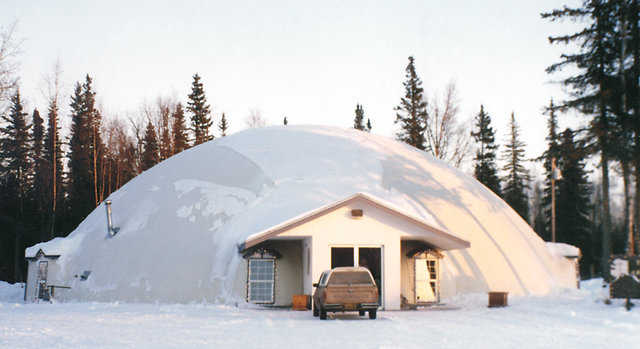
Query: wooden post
<point>553,199</point>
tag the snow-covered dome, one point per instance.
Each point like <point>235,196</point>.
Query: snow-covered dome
<point>181,222</point>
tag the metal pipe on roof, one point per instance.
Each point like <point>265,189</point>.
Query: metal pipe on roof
<point>111,230</point>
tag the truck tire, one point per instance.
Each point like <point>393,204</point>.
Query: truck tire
<point>323,314</point>
<point>315,309</point>
<point>361,312</point>
<point>372,314</point>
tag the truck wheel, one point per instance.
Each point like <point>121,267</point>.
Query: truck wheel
<point>372,314</point>
<point>361,312</point>
<point>323,314</point>
<point>315,309</point>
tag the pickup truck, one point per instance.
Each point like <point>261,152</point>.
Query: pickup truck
<point>345,289</point>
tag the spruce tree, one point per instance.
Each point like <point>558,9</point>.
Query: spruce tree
<point>358,120</point>
<point>81,153</point>
<point>285,121</point>
<point>590,85</point>
<point>573,199</point>
<point>485,169</point>
<point>412,111</point>
<point>633,91</point>
<point>38,194</point>
<point>179,130</point>
<point>200,111</point>
<point>14,158</point>
<point>53,159</point>
<point>369,127</point>
<point>165,133</point>
<point>150,154</point>
<point>516,182</point>
<point>223,126</point>
<point>14,170</point>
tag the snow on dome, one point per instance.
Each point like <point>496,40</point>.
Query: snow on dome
<point>181,222</point>
<point>563,250</point>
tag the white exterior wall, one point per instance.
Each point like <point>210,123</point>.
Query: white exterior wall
<point>377,228</point>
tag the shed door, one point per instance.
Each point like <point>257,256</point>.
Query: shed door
<point>424,290</point>
<point>43,267</point>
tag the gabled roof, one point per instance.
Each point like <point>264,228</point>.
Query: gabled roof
<point>41,253</point>
<point>446,240</point>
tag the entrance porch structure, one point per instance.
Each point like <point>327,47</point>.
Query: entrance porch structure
<point>402,251</point>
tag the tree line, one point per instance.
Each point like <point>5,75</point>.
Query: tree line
<point>604,87</point>
<point>580,204</point>
<point>49,184</point>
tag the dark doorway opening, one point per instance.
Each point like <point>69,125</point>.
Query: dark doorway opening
<point>370,258</point>
<point>341,257</point>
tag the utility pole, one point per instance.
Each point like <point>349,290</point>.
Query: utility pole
<point>632,242</point>
<point>553,199</point>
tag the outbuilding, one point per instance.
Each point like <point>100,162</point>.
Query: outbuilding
<point>39,267</point>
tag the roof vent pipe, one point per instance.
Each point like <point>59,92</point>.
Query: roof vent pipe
<point>111,230</point>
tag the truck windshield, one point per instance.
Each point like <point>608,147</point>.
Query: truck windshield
<point>350,277</point>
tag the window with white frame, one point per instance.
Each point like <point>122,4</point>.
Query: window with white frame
<point>261,280</point>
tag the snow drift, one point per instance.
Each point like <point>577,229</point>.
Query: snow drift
<point>182,220</point>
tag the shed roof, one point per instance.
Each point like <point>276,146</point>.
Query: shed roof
<point>439,238</point>
<point>41,253</point>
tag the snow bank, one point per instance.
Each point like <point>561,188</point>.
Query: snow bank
<point>182,220</point>
<point>11,293</point>
<point>574,319</point>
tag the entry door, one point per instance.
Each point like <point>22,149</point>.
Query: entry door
<point>371,258</point>
<point>43,293</point>
<point>364,256</point>
<point>426,280</point>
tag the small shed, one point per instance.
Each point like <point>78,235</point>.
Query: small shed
<point>570,252</point>
<point>41,267</point>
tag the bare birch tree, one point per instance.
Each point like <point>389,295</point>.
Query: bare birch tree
<point>138,123</point>
<point>9,64</point>
<point>255,119</point>
<point>447,138</point>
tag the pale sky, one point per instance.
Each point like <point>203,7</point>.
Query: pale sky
<point>309,60</point>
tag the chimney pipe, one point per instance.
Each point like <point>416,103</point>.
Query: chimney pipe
<point>111,230</point>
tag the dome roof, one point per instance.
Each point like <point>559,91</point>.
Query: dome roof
<point>182,220</point>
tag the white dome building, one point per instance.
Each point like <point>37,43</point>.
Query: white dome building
<point>257,216</point>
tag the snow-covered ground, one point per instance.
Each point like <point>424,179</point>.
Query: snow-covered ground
<point>572,319</point>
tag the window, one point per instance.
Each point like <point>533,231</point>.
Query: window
<point>323,278</point>
<point>433,275</point>
<point>350,277</point>
<point>261,280</point>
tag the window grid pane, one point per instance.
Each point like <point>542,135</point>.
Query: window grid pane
<point>261,280</point>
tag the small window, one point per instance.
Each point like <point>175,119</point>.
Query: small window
<point>261,280</point>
